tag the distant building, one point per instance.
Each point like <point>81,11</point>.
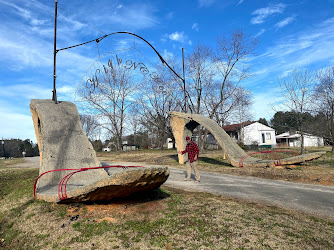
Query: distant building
<point>293,139</point>
<point>252,133</point>
<point>169,143</point>
<point>125,146</point>
<point>129,147</point>
<point>107,148</point>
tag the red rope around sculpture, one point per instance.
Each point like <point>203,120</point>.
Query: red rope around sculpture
<point>63,182</point>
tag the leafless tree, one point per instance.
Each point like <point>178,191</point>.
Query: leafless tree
<point>236,108</point>
<point>108,93</point>
<point>297,90</point>
<point>200,74</point>
<point>200,77</point>
<point>230,67</point>
<point>324,99</point>
<point>157,99</point>
<point>90,125</point>
<point>232,55</point>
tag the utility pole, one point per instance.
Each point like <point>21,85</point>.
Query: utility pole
<point>54,93</point>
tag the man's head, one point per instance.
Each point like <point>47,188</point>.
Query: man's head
<point>188,139</point>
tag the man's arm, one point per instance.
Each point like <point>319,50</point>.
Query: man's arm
<point>196,151</point>
<point>183,152</point>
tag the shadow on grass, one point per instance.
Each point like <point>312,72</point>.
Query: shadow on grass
<point>136,198</point>
<point>205,160</point>
<point>174,157</point>
<point>214,161</point>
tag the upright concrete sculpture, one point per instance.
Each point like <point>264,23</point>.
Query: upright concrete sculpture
<point>184,123</point>
<point>69,169</point>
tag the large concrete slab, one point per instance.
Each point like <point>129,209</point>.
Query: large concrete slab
<point>65,149</point>
<point>121,182</point>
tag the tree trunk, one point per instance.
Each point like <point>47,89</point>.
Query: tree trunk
<point>205,135</point>
<point>302,143</point>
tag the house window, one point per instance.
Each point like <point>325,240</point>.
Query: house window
<point>268,136</point>
<point>263,138</point>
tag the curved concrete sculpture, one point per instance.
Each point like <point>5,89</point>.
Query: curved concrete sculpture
<point>184,123</point>
<point>69,169</point>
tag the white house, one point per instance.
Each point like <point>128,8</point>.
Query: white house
<point>252,133</point>
<point>293,139</point>
<point>169,143</point>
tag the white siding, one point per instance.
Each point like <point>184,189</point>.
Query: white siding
<point>294,140</point>
<point>313,141</point>
<point>169,143</point>
<point>253,133</point>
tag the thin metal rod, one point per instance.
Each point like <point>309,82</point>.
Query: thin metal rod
<point>54,93</point>
<point>129,33</point>
<point>184,84</point>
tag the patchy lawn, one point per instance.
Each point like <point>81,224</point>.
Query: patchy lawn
<point>154,220</point>
<point>320,171</point>
<point>9,162</point>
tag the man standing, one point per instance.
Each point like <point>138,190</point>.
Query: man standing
<point>192,162</point>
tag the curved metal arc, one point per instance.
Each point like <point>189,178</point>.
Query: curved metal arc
<point>129,33</point>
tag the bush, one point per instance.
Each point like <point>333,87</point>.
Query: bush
<point>241,145</point>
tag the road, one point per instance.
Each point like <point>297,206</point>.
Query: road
<point>315,199</point>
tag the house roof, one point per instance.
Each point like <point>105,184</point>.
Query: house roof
<point>235,127</point>
<point>290,135</point>
<point>287,135</point>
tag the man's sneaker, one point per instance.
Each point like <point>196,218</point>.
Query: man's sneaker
<point>186,179</point>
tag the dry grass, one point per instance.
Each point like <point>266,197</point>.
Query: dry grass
<point>320,171</point>
<point>183,220</point>
<point>9,162</point>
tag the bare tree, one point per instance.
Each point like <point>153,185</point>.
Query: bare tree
<point>108,93</point>
<point>213,77</point>
<point>236,108</point>
<point>324,99</point>
<point>233,52</point>
<point>157,99</point>
<point>90,126</point>
<point>200,78</point>
<point>200,74</point>
<point>297,90</point>
<point>230,68</point>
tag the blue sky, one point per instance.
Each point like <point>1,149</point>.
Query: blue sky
<point>291,33</point>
